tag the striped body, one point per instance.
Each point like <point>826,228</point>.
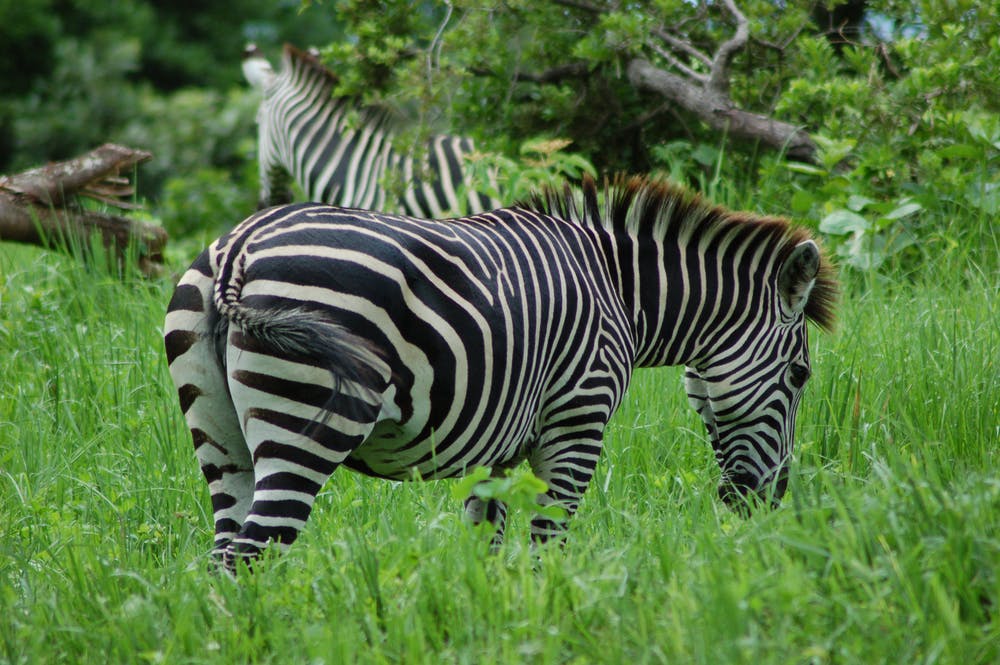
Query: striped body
<point>313,336</point>
<point>342,153</point>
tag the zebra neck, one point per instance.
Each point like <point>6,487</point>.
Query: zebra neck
<point>689,294</point>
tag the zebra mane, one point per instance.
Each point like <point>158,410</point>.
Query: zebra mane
<point>641,205</point>
<point>292,56</point>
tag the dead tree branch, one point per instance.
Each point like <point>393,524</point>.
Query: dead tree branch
<point>707,95</point>
<point>41,206</point>
<point>718,111</point>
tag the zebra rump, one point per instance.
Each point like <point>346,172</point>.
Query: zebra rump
<point>305,334</point>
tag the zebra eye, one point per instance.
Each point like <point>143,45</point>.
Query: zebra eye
<point>798,374</point>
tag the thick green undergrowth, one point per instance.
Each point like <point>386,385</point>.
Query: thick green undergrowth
<point>887,548</point>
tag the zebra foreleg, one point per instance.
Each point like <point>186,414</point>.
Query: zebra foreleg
<point>493,511</point>
<point>567,468</point>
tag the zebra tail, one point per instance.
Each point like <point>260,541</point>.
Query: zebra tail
<point>306,335</point>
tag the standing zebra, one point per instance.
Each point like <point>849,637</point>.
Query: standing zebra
<point>313,336</point>
<point>341,152</point>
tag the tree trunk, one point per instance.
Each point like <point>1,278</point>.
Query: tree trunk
<point>41,207</point>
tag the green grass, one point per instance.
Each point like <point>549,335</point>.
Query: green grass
<point>887,548</point>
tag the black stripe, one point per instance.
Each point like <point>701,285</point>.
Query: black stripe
<point>315,429</point>
<point>292,453</point>
<point>177,343</point>
<point>303,393</point>
<point>288,481</point>
<point>188,393</point>
<point>187,297</point>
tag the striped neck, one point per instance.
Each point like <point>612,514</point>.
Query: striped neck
<point>696,288</point>
<point>315,133</point>
<point>692,275</point>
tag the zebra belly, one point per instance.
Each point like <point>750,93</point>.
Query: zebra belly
<point>396,451</point>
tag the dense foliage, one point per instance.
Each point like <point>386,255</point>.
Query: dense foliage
<point>901,100</point>
<point>162,76</point>
<point>903,107</point>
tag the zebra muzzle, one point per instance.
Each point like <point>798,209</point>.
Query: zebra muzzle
<point>743,492</point>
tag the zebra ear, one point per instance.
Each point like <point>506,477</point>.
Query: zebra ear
<point>798,275</point>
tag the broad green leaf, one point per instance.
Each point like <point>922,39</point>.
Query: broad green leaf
<point>705,155</point>
<point>463,487</point>
<point>985,197</point>
<point>842,222</point>
<point>904,210</point>
<point>984,127</point>
<point>857,203</point>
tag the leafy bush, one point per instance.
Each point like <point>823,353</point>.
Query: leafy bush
<point>541,162</point>
<point>203,170</point>
<point>908,129</point>
<point>905,114</point>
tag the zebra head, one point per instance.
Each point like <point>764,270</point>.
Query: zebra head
<point>748,395</point>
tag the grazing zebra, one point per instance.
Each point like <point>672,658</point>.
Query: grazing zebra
<point>311,337</point>
<point>341,152</point>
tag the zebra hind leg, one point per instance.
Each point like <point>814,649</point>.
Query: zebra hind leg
<point>300,420</point>
<point>197,372</point>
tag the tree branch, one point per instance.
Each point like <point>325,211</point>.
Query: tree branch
<point>53,183</point>
<point>717,110</point>
<point>680,66</point>
<point>553,75</point>
<point>707,96</point>
<point>719,78</point>
<point>40,206</point>
<point>683,45</point>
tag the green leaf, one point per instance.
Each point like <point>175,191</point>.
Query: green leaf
<point>808,169</point>
<point>903,210</point>
<point>528,484</point>
<point>842,222</point>
<point>705,155</point>
<point>802,202</point>
<point>553,511</point>
<point>986,197</point>
<point>857,203</point>
<point>833,151</point>
<point>984,127</point>
<point>463,487</point>
<point>960,151</point>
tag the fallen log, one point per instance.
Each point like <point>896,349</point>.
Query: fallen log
<point>43,206</point>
